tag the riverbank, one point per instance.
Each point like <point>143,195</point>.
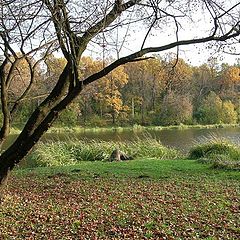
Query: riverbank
<point>139,128</point>
<point>130,128</point>
<point>218,151</point>
<point>139,199</point>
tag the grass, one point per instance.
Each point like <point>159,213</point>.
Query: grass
<point>146,198</point>
<point>149,168</point>
<point>136,127</point>
<point>221,153</point>
<point>139,199</point>
<point>65,153</point>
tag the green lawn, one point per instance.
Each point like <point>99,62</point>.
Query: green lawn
<point>140,199</point>
<point>150,168</point>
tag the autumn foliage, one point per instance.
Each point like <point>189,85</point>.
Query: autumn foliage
<point>156,91</point>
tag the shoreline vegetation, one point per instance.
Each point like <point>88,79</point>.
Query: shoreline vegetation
<point>219,152</point>
<point>58,152</point>
<point>135,127</point>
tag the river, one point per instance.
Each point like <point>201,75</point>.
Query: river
<point>182,140</point>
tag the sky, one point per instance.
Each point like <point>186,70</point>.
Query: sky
<point>193,54</point>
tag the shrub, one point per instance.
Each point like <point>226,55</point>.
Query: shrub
<point>96,121</point>
<point>51,154</point>
<point>220,154</point>
<point>90,150</point>
<point>224,164</point>
<point>221,162</point>
<point>212,149</point>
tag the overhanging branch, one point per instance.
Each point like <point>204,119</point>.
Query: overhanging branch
<point>142,52</point>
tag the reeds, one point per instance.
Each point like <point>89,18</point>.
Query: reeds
<point>65,153</point>
<point>222,153</point>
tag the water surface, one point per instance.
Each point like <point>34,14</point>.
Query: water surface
<point>180,139</point>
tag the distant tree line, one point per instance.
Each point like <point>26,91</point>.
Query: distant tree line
<point>157,91</point>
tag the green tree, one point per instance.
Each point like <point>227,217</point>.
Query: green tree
<point>238,111</point>
<point>210,111</point>
<point>70,117</point>
<point>229,115</point>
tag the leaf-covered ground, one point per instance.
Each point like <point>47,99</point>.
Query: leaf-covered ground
<point>60,206</point>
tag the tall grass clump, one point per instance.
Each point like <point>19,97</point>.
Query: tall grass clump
<point>50,154</point>
<point>221,153</point>
<point>91,150</point>
<point>65,153</point>
<point>148,147</point>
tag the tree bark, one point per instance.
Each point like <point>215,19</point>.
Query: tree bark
<point>21,147</point>
<point>4,173</point>
<point>39,122</point>
<point>5,129</point>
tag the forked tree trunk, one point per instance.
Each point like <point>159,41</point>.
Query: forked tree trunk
<point>39,122</point>
<point>21,147</point>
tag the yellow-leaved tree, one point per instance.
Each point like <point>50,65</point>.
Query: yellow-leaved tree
<point>109,95</point>
<point>106,92</point>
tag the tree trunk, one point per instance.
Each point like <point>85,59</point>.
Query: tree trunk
<point>133,109</point>
<point>143,102</point>
<point>21,147</point>
<point>113,116</point>
<point>39,122</point>
<point>4,173</point>
<point>5,129</point>
<point>153,93</point>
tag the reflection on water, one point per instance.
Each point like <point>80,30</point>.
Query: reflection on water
<point>179,139</point>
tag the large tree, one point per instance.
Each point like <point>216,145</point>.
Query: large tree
<point>31,30</point>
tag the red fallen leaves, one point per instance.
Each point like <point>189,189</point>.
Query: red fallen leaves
<point>64,208</point>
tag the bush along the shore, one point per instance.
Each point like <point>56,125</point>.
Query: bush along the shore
<point>221,153</point>
<point>67,153</point>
